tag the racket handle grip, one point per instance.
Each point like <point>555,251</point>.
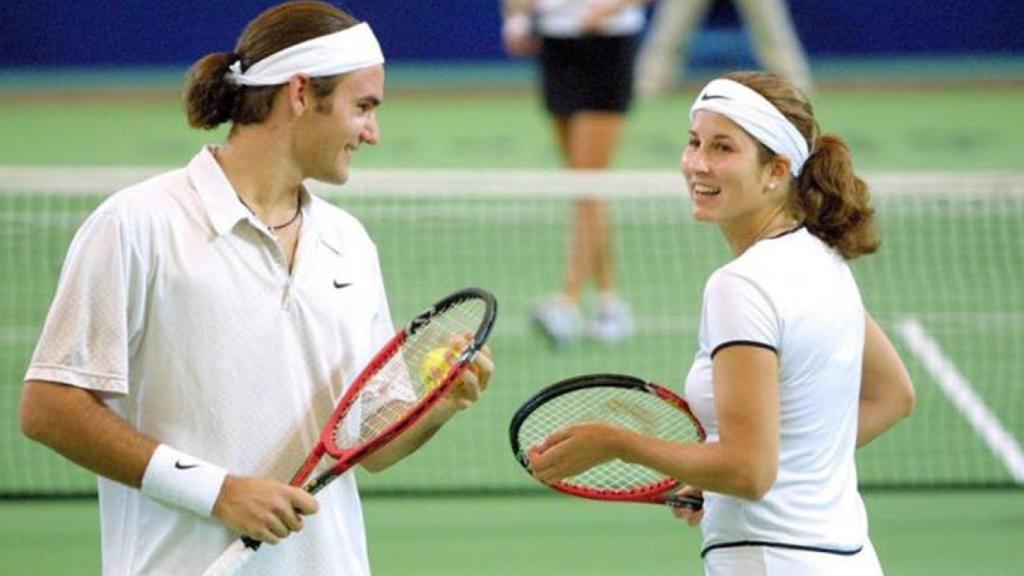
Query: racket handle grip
<point>694,503</point>
<point>234,558</point>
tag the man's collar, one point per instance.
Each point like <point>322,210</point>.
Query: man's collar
<point>219,198</point>
<point>215,191</point>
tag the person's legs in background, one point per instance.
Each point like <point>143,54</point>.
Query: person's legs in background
<point>662,57</point>
<point>774,37</point>
<point>588,141</point>
<point>663,53</point>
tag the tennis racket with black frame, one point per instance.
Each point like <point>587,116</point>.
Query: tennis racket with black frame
<point>389,396</point>
<point>620,400</point>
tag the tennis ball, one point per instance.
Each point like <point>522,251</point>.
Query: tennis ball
<point>434,367</point>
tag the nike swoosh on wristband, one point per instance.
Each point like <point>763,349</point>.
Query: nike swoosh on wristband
<point>341,284</point>
<point>713,97</point>
<point>181,466</point>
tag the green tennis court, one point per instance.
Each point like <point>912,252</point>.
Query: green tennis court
<point>928,534</point>
<point>946,283</point>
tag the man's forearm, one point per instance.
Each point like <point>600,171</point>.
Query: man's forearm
<point>412,439</point>
<point>79,426</point>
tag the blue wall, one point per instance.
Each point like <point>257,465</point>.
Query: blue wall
<point>77,33</point>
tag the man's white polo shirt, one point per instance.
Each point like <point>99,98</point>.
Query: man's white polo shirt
<point>176,304</point>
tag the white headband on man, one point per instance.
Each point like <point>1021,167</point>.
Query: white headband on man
<point>755,114</point>
<point>344,51</point>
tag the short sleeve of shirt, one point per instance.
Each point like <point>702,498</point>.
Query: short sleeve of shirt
<point>383,327</point>
<point>95,312</point>
<point>738,311</point>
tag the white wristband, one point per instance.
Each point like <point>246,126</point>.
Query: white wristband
<point>181,480</point>
<point>516,26</point>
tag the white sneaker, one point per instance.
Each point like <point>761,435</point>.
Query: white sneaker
<point>614,320</point>
<point>558,319</point>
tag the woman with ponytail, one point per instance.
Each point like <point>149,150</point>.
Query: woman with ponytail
<point>199,325</point>
<point>791,373</point>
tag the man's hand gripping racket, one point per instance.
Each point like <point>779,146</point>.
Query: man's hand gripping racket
<point>615,400</point>
<point>403,382</point>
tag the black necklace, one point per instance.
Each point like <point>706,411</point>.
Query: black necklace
<point>298,210</point>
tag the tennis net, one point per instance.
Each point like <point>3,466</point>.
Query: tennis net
<point>947,285</point>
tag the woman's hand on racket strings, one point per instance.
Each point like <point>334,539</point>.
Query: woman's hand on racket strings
<point>264,510</point>
<point>574,450</point>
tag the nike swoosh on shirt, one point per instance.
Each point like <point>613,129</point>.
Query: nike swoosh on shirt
<point>341,284</point>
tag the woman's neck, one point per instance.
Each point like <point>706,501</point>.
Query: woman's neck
<point>742,235</point>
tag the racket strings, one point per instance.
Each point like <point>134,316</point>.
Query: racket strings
<point>633,409</point>
<point>400,383</point>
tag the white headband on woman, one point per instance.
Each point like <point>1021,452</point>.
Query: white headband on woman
<point>755,114</point>
<point>344,51</point>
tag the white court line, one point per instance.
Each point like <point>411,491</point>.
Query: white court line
<point>960,392</point>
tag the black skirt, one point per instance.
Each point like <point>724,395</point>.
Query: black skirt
<point>588,73</point>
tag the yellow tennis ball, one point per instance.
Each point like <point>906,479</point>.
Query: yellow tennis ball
<point>434,367</point>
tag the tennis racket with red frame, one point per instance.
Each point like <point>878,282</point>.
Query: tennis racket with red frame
<point>623,401</point>
<point>397,388</point>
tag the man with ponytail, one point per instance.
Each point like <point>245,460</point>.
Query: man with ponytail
<point>791,373</point>
<point>206,319</point>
